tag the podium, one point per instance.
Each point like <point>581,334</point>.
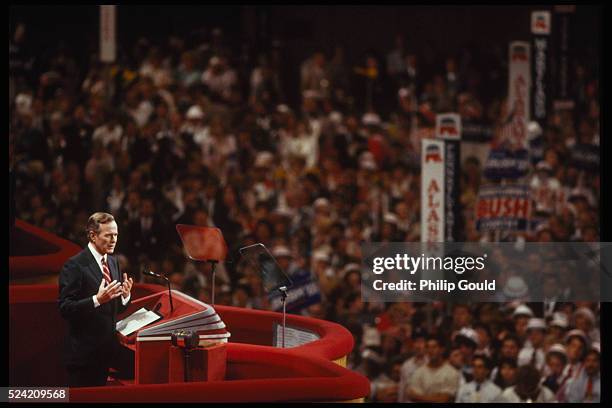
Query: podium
<point>155,359</point>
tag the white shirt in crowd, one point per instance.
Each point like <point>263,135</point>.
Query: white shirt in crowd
<point>406,371</point>
<point>526,355</point>
<point>486,391</point>
<point>441,380</point>
<point>106,134</point>
<point>221,83</point>
<point>510,395</point>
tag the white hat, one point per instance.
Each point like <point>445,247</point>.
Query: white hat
<point>370,119</point>
<point>576,333</point>
<point>195,112</point>
<point>311,93</point>
<point>581,192</point>
<point>391,218</point>
<point>321,202</point>
<point>403,92</point>
<point>282,108</point>
<point>515,287</point>
<point>543,165</point>
<point>533,130</point>
<point>557,348</point>
<point>283,211</point>
<point>536,323</point>
<point>469,334</point>
<point>559,320</point>
<point>371,337</point>
<point>522,310</point>
<point>596,346</point>
<point>351,267</point>
<point>369,354</point>
<point>57,115</point>
<point>586,312</point>
<point>280,251</point>
<point>367,161</point>
<point>320,255</point>
<point>263,159</point>
<point>335,117</point>
<point>23,102</point>
<point>544,226</point>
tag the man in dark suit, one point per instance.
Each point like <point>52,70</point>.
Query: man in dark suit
<point>91,293</point>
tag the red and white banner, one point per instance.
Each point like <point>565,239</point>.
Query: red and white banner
<point>503,208</point>
<point>519,85</point>
<point>108,40</point>
<point>448,126</point>
<point>432,190</point>
<point>540,22</point>
<point>540,90</point>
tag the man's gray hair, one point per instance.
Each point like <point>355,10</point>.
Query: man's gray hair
<point>94,221</point>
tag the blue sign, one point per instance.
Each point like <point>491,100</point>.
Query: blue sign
<point>304,292</point>
<point>586,157</point>
<point>506,164</point>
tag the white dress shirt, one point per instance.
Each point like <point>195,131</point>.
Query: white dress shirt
<point>472,392</point>
<point>98,257</point>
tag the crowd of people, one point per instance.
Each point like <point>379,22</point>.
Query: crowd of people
<point>185,132</point>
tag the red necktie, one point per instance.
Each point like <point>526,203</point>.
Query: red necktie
<point>106,272</point>
<point>589,390</point>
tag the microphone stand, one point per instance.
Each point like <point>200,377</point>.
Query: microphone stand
<point>213,264</point>
<point>283,291</point>
<point>169,293</point>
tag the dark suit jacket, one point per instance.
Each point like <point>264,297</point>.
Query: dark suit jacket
<point>91,330</point>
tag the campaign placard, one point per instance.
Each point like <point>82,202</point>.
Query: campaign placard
<point>432,190</point>
<point>519,83</point>
<point>503,208</point>
<point>540,93</point>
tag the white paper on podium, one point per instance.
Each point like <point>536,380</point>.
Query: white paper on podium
<point>136,320</point>
<point>294,336</point>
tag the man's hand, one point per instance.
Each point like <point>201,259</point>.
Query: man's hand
<point>126,287</point>
<point>106,293</point>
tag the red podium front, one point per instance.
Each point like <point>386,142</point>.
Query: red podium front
<point>152,344</point>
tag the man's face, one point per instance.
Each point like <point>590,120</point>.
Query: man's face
<point>106,239</point>
<point>509,349</point>
<point>418,346</point>
<point>583,323</point>
<point>481,372</point>
<point>456,359</point>
<point>536,336</point>
<point>284,262</point>
<point>434,351</point>
<point>591,363</point>
<point>520,325</point>
<point>555,364</point>
<point>574,349</point>
<point>508,373</point>
<point>147,208</point>
<point>467,350</point>
<point>461,316</point>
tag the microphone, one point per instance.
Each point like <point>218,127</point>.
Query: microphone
<point>156,275</point>
<point>151,273</point>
